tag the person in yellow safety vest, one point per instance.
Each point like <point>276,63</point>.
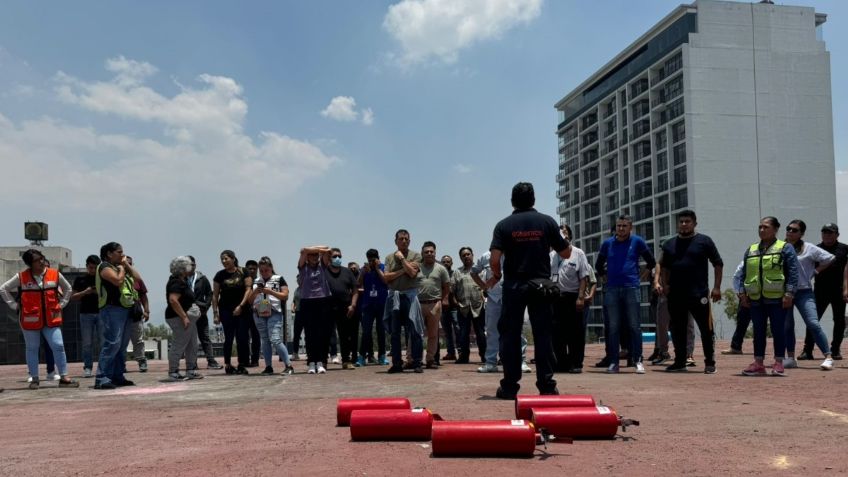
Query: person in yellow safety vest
<point>769,282</point>
<point>40,304</point>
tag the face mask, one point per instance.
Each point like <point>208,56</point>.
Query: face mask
<point>336,261</point>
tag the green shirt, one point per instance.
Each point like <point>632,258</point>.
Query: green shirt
<point>433,278</point>
<point>403,282</point>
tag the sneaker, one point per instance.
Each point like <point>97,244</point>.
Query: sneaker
<point>193,375</point>
<point>370,359</point>
<point>288,371</point>
<point>501,394</point>
<point>142,366</point>
<point>731,351</point>
<point>408,365</point>
<point>804,356</point>
<point>488,368</point>
<point>431,365</point>
<point>268,371</point>
<point>654,355</point>
<point>676,368</point>
<point>229,369</point>
<point>295,357</point>
<point>836,355</point>
<point>54,376</point>
<point>348,365</point>
<point>383,361</point>
<point>360,362</point>
<point>242,370</point>
<point>212,364</point>
<point>827,364</point>
<point>34,384</point>
<point>790,363</point>
<point>660,359</point>
<point>709,369</point>
<point>311,369</point>
<point>320,369</point>
<point>777,369</point>
<point>690,361</point>
<point>173,377</point>
<point>449,357</point>
<point>525,368</point>
<point>575,370</point>
<point>613,369</point>
<point>602,363</point>
<point>68,383</point>
<point>640,368</point>
<point>395,369</point>
<point>29,379</point>
<point>123,382</point>
<point>754,369</point>
<point>418,369</point>
<point>104,386</point>
<point>86,373</point>
<point>335,359</point>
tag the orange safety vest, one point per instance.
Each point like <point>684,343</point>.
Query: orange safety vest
<point>40,304</point>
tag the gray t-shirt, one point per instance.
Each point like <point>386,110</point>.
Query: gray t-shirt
<point>403,282</point>
<point>567,272</point>
<point>433,278</point>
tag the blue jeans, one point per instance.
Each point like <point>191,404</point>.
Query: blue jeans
<point>372,314</point>
<point>494,310</point>
<point>622,304</point>
<point>400,319</point>
<point>115,322</point>
<point>271,337</point>
<point>773,311</point>
<point>32,338</point>
<point>805,302</point>
<point>88,327</point>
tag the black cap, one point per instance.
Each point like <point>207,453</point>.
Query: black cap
<point>830,227</point>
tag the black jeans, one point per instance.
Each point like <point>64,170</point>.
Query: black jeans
<point>299,325</point>
<point>237,327</point>
<point>348,330</point>
<point>400,320</point>
<point>518,297</point>
<point>743,320</point>
<point>203,336</point>
<point>837,306</point>
<point>319,325</point>
<point>466,321</point>
<point>255,340</point>
<point>569,333</point>
<point>450,325</point>
<point>372,314</point>
<point>679,308</point>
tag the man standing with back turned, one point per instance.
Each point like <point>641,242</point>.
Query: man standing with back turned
<point>524,239</point>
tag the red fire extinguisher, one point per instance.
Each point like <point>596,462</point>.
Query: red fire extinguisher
<point>525,403</point>
<point>348,405</point>
<point>392,424</point>
<point>598,422</point>
<point>516,438</point>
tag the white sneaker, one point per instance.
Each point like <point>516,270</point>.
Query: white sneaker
<point>826,365</point>
<point>488,368</point>
<point>86,373</point>
<point>335,359</point>
<point>53,376</point>
<point>525,368</point>
<point>640,368</point>
<point>320,368</point>
<point>311,369</point>
<point>29,379</point>
<point>790,363</point>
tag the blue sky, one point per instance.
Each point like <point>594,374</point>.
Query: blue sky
<point>193,127</point>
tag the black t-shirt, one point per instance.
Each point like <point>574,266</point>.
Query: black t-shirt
<point>831,277</point>
<point>180,286</point>
<point>342,284</point>
<point>526,238</point>
<point>88,303</point>
<point>686,260</point>
<point>113,293</point>
<point>232,285</point>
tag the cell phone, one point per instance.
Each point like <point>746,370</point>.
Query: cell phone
<point>260,285</point>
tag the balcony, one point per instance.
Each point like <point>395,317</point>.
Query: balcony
<point>589,120</point>
<point>561,176</point>
<point>589,138</point>
<point>638,88</point>
<point>562,192</point>
<point>562,208</point>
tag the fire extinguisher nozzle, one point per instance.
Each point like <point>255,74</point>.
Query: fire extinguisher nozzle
<point>628,422</point>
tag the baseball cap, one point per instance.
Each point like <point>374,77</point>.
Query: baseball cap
<point>830,227</point>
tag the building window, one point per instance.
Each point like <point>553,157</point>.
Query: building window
<point>680,176</point>
<point>678,131</point>
<point>681,199</point>
<point>663,225</point>
<point>612,184</point>
<point>662,204</point>
<point>679,154</point>
<point>662,161</point>
<point>646,230</point>
<point>592,209</point>
<point>662,182</point>
<point>660,140</point>
<point>612,202</point>
<point>642,170</point>
<point>610,165</point>
<point>643,210</point>
<point>642,190</point>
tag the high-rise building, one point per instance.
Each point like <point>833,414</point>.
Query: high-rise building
<point>721,107</point>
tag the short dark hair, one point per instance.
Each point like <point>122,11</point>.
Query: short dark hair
<point>253,263</point>
<point>108,248</point>
<point>801,225</point>
<point>92,260</point>
<point>568,231</point>
<point>428,244</point>
<point>625,218</point>
<point>523,195</point>
<point>772,220</point>
<point>30,255</point>
<point>352,263</point>
<point>401,231</point>
<point>687,213</point>
<point>465,248</point>
<point>372,253</point>
<point>335,249</point>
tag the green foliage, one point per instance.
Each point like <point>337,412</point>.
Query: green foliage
<point>731,303</point>
<point>152,331</point>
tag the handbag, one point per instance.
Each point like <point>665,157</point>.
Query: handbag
<point>137,311</point>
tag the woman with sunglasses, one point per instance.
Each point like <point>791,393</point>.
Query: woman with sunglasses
<point>811,261</point>
<point>230,294</point>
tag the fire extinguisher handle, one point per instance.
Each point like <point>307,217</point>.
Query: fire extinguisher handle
<point>628,422</point>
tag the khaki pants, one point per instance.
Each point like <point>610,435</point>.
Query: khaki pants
<point>432,316</point>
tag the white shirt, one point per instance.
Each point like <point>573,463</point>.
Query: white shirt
<point>567,272</point>
<point>808,258</point>
<point>273,283</point>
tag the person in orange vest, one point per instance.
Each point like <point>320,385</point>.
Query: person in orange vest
<point>40,304</point>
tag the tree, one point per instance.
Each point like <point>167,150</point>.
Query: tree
<point>158,332</point>
<point>731,304</point>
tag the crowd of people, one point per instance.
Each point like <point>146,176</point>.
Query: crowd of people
<point>409,296</point>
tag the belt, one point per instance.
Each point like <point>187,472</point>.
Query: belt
<point>427,302</point>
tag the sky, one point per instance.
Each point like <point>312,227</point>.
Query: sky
<point>192,127</point>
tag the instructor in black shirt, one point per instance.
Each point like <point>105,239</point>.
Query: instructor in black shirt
<point>525,239</point>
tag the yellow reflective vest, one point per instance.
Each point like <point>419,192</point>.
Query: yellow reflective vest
<point>764,271</point>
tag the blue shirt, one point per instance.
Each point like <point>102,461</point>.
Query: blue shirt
<point>621,258</point>
<point>374,291</point>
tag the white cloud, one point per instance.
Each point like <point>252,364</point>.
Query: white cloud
<point>202,146</point>
<point>437,30</point>
<point>341,108</point>
<point>367,116</point>
<point>462,168</point>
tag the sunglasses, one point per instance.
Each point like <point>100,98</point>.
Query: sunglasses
<point>337,256</point>
<point>794,230</point>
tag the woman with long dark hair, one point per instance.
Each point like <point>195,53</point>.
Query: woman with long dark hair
<point>230,294</point>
